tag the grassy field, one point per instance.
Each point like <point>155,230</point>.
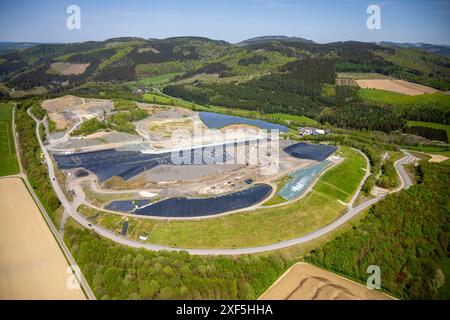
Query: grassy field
<point>433,125</point>
<point>362,75</point>
<point>8,157</point>
<point>166,100</point>
<point>392,98</point>
<point>431,149</point>
<point>293,118</point>
<point>158,80</point>
<point>260,227</point>
<point>276,199</point>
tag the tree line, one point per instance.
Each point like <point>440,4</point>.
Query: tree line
<point>427,132</point>
<point>406,235</point>
<point>118,272</point>
<point>31,157</point>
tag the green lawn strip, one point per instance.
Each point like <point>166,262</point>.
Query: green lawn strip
<point>341,180</point>
<point>362,75</point>
<point>158,80</point>
<point>8,158</point>
<point>387,97</point>
<point>293,118</point>
<point>329,189</point>
<point>431,150</point>
<point>100,199</point>
<point>277,199</point>
<point>259,227</point>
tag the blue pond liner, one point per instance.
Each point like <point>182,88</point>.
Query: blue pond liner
<point>127,164</point>
<point>317,152</point>
<point>217,121</point>
<point>301,179</point>
<point>126,205</point>
<point>189,207</point>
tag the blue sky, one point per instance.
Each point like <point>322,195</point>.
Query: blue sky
<point>230,20</point>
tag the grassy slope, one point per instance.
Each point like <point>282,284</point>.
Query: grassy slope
<point>430,125</point>
<point>8,157</point>
<point>361,75</point>
<point>158,80</point>
<point>259,227</point>
<point>387,97</point>
<point>431,150</point>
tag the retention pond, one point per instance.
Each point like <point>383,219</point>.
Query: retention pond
<point>198,207</point>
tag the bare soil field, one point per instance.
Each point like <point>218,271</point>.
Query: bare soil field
<point>436,158</point>
<point>307,282</point>
<point>32,265</point>
<point>60,121</point>
<point>66,69</point>
<point>399,86</point>
<point>61,104</point>
<point>75,103</point>
<point>416,86</point>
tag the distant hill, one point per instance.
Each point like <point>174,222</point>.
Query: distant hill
<point>124,59</point>
<point>274,38</point>
<point>12,46</point>
<point>434,48</point>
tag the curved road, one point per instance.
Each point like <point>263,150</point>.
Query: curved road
<point>71,210</point>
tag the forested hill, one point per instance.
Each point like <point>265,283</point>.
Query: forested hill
<point>271,74</point>
<point>129,59</point>
<point>406,235</point>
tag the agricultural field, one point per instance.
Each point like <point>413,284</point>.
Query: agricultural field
<point>32,264</point>
<point>307,282</point>
<point>398,86</point>
<point>8,157</point>
<point>393,98</point>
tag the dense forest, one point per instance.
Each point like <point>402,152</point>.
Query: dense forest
<point>297,90</point>
<point>362,115</point>
<point>118,272</point>
<point>406,235</point>
<point>426,132</point>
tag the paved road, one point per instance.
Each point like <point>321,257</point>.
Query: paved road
<point>71,209</point>
<point>406,182</point>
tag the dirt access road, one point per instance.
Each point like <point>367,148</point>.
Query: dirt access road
<point>32,265</point>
